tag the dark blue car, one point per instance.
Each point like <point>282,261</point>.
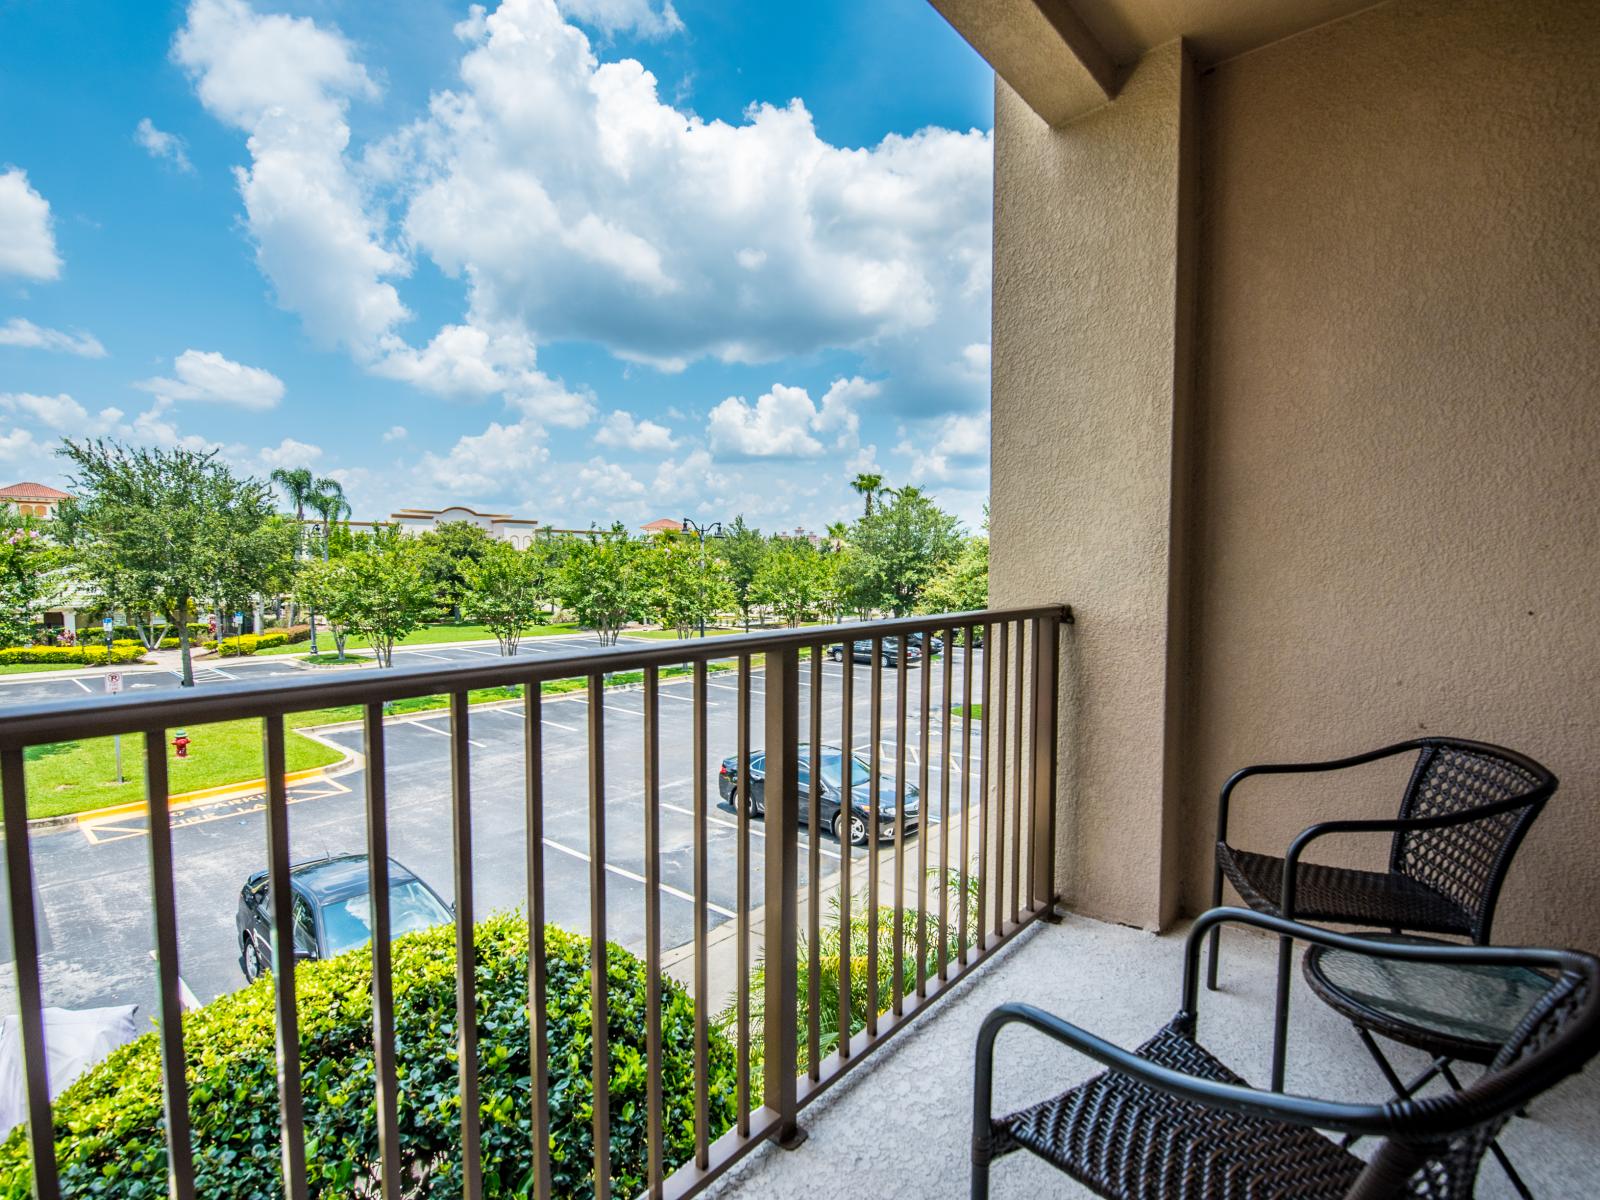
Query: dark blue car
<point>864,814</point>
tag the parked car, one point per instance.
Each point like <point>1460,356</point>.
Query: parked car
<point>331,910</point>
<point>928,645</point>
<point>863,814</point>
<point>862,652</point>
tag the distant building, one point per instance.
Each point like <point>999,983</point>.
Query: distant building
<point>32,499</point>
<point>663,525</point>
<point>519,531</point>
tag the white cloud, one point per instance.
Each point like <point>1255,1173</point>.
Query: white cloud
<point>622,431</point>
<point>208,376</point>
<point>18,445</point>
<point>956,449</point>
<point>625,16</point>
<point>61,413</point>
<point>394,433</point>
<point>27,244</point>
<point>19,331</point>
<point>289,453</point>
<point>160,144</point>
<point>288,83</point>
<point>487,462</point>
<point>783,422</point>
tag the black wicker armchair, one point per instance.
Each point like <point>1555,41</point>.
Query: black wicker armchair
<point>1464,812</point>
<point>1171,1122</point>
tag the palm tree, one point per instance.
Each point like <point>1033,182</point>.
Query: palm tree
<point>867,485</point>
<point>298,484</point>
<point>328,501</point>
<point>837,534</point>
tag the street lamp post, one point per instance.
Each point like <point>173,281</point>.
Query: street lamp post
<point>714,529</point>
<point>311,609</point>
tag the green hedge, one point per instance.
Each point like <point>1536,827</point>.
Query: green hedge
<point>89,655</point>
<point>109,1129</point>
<point>247,643</point>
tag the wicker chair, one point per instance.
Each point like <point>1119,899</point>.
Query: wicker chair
<point>1465,811</point>
<point>1171,1122</point>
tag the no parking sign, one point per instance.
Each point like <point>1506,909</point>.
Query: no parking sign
<point>113,682</point>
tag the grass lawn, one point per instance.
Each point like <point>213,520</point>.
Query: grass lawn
<point>960,710</point>
<point>73,777</point>
<point>428,635</point>
<point>69,777</point>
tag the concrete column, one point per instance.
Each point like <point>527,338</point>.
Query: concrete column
<point>1093,303</point>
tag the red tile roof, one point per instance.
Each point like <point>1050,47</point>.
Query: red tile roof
<point>662,523</point>
<point>31,491</point>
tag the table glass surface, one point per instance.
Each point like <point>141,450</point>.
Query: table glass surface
<point>1474,1003</point>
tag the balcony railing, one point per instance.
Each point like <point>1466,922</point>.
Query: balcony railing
<point>986,842</point>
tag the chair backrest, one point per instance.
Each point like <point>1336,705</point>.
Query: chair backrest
<point>1467,863</point>
<point>1560,1034</point>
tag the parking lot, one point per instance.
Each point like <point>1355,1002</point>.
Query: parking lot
<point>92,875</point>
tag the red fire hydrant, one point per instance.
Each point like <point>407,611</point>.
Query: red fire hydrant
<point>181,744</point>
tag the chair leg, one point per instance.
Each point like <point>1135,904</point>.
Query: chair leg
<point>1280,1011</point>
<point>980,1180</point>
<point>1216,930</point>
<point>1494,1146</point>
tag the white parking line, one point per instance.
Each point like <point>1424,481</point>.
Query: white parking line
<point>83,685</point>
<point>484,653</point>
<point>443,733</point>
<point>424,654</point>
<point>754,828</point>
<point>626,874</point>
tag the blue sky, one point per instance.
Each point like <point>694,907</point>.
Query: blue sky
<point>579,260</point>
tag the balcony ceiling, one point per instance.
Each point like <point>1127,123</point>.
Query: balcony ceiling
<point>1067,57</point>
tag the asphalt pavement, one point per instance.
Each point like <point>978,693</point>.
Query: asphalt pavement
<point>92,876</point>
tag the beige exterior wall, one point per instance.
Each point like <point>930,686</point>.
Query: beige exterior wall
<point>1393,507</point>
<point>1399,478</point>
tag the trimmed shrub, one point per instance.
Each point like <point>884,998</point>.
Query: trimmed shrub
<point>88,655</point>
<point>109,1128</point>
<point>246,644</point>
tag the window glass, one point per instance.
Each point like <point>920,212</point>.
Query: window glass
<point>305,929</point>
<point>833,769</point>
<point>348,922</point>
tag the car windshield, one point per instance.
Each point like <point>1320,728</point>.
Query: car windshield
<point>833,769</point>
<point>348,922</point>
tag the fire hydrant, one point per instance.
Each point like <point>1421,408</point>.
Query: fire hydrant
<point>181,744</point>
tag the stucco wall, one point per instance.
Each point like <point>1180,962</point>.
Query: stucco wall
<point>1398,474</point>
<point>1086,337</point>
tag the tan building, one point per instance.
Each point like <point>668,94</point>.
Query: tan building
<point>32,499</point>
<point>519,531</point>
<point>1295,401</point>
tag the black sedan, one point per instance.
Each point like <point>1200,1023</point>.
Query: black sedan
<point>331,909</point>
<point>863,814</point>
<point>890,652</point>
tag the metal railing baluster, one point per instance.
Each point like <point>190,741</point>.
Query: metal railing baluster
<point>466,950</point>
<point>744,797</point>
<point>814,872</point>
<point>875,782</point>
<point>897,983</point>
<point>283,963</point>
<point>1001,695</point>
<point>702,884</point>
<point>1017,829</point>
<point>30,1001</point>
<point>944,802</point>
<point>923,822</point>
<point>652,930</point>
<point>383,1049</point>
<point>174,1078</point>
<point>538,1027</point>
<point>970,637</point>
<point>780,1010</point>
<point>847,728</point>
<point>599,996</point>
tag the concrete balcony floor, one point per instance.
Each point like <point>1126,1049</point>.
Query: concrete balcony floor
<point>899,1126</point>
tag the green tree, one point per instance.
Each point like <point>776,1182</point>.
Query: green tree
<point>898,549</point>
<point>742,550</point>
<point>962,583</point>
<point>603,583</point>
<point>380,589</point>
<point>158,528</point>
<point>506,590</point>
<point>451,548</point>
<point>688,582</point>
<point>31,576</point>
<point>790,578</point>
<point>867,485</point>
<point>298,484</point>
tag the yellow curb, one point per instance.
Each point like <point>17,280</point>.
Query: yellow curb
<point>188,799</point>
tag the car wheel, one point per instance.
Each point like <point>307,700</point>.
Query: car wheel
<point>755,807</point>
<point>858,829</point>
<point>250,959</point>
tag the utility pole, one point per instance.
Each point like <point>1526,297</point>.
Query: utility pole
<point>714,529</point>
<point>311,612</point>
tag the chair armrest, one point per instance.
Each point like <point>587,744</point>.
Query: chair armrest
<point>1335,764</point>
<point>1311,833</point>
<point>1362,1119</point>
